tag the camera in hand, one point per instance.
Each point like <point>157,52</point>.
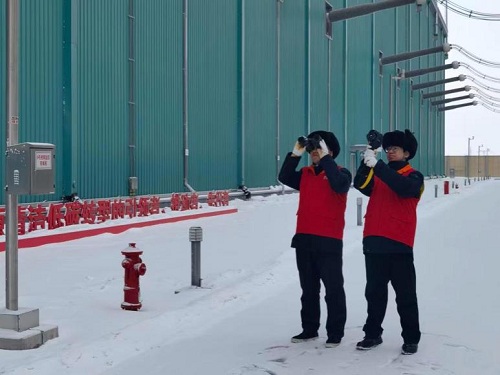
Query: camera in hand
<point>310,144</point>
<point>374,139</point>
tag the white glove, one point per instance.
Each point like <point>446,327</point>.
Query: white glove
<point>298,150</point>
<point>324,149</point>
<point>370,158</point>
<point>368,147</point>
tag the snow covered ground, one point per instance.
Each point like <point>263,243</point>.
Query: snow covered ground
<point>241,320</point>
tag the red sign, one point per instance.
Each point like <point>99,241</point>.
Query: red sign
<point>94,212</point>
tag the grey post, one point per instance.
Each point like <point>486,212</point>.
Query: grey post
<point>359,204</point>
<point>435,191</point>
<point>195,236</point>
<point>11,239</point>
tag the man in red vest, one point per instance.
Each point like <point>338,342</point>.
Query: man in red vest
<point>390,223</point>
<point>323,187</point>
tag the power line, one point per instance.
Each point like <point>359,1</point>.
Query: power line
<point>459,9</point>
<point>478,73</point>
<point>489,108</point>
<point>483,94</point>
<point>482,85</point>
<point>470,55</point>
<point>486,101</point>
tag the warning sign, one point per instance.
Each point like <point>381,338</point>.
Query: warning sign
<point>43,160</point>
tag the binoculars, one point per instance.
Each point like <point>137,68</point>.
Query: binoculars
<point>310,144</point>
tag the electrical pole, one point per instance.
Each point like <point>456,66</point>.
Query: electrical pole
<point>478,157</point>
<point>468,158</point>
<point>11,240</point>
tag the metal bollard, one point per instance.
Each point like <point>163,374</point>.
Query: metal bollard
<point>195,236</point>
<point>359,203</point>
<point>435,191</point>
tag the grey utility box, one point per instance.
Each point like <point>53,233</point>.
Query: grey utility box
<point>30,168</point>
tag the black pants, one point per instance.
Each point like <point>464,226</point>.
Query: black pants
<point>400,271</point>
<point>315,265</point>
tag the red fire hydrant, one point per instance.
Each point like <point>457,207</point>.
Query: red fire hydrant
<point>134,268</point>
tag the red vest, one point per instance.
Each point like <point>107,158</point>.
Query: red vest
<point>321,210</point>
<point>388,215</point>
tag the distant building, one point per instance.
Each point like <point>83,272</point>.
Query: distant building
<point>482,166</point>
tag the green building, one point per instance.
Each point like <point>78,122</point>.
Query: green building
<point>153,97</point>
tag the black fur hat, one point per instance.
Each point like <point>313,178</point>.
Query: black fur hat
<point>330,140</point>
<point>406,140</point>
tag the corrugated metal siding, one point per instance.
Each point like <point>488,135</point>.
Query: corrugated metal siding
<point>102,53</point>
<point>401,87</point>
<point>433,129</point>
<point>293,102</point>
<point>424,120</point>
<point>40,81</point>
<point>433,126</point>
<point>213,94</point>
<point>359,72</point>
<point>441,116</point>
<point>260,92</point>
<point>422,123</point>
<point>318,67</point>
<point>385,38</point>
<point>432,110</point>
<point>338,80</point>
<point>415,45</point>
<point>75,88</point>
<point>319,64</point>
<point>159,57</point>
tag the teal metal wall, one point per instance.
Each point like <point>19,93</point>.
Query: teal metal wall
<point>339,82</point>
<point>318,68</point>
<point>413,115</point>
<point>361,78</point>
<point>213,94</point>
<point>385,32</point>
<point>100,96</point>
<point>40,79</point>
<point>294,88</point>
<point>104,81</point>
<point>259,110</point>
<point>401,103</point>
<point>159,53</point>
<point>373,97</point>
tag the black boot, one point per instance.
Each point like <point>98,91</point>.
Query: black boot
<point>305,336</point>
<point>369,343</point>
<point>409,348</point>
